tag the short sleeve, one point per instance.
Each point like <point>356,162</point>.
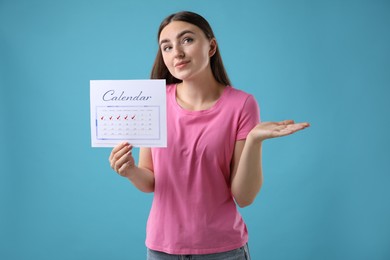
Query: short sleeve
<point>249,117</point>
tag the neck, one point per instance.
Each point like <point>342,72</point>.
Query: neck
<point>200,93</point>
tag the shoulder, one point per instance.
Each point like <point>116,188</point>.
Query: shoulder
<point>238,93</point>
<point>239,97</point>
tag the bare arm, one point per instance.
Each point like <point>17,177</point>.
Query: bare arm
<point>122,161</point>
<point>247,175</point>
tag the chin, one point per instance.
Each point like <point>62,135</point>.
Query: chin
<point>180,76</point>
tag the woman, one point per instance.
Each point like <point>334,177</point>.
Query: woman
<point>213,158</point>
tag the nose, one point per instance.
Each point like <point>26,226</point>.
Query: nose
<point>178,51</point>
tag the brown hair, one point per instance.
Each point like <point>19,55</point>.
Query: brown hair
<point>160,70</point>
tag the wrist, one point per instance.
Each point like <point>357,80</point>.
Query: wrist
<point>131,172</point>
<point>254,138</point>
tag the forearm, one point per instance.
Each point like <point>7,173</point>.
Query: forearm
<point>248,177</point>
<point>141,178</point>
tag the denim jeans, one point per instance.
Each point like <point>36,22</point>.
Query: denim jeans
<point>241,253</point>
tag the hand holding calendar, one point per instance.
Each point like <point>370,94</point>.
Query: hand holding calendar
<point>128,110</point>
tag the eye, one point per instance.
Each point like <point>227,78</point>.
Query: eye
<point>187,40</point>
<point>166,48</point>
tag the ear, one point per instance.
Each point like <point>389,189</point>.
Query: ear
<point>213,47</point>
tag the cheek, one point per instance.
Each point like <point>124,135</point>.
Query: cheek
<point>166,60</point>
<point>168,63</point>
<point>203,59</point>
<point>203,53</point>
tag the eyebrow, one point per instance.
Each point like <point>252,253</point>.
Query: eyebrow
<point>178,36</point>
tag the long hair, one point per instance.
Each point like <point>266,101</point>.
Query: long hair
<point>160,70</point>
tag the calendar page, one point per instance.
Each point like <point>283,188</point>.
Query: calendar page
<point>128,110</point>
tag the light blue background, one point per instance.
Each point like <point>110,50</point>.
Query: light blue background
<point>326,191</point>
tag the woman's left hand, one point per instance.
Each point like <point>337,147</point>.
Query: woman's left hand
<point>269,130</point>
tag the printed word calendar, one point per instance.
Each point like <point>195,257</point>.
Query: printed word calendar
<point>128,110</point>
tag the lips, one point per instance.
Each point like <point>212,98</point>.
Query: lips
<point>181,64</point>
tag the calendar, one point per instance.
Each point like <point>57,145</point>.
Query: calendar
<point>128,110</point>
<point>127,122</point>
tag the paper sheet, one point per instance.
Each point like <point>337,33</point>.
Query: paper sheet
<point>128,110</point>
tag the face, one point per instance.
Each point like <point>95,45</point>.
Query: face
<point>186,50</point>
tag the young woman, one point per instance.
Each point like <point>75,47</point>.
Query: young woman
<point>213,159</point>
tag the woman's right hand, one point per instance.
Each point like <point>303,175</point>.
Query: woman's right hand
<point>121,159</point>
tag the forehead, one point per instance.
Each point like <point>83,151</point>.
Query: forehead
<point>175,28</point>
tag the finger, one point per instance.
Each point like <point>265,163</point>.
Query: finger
<point>119,154</point>
<point>284,130</point>
<point>126,166</point>
<point>281,126</point>
<point>116,149</point>
<point>293,128</point>
<point>292,124</point>
<point>301,125</point>
<point>286,122</point>
<point>121,157</point>
<point>115,154</point>
<point>125,158</point>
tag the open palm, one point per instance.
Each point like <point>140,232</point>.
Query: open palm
<point>269,130</point>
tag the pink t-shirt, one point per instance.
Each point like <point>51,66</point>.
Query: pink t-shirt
<point>193,210</point>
